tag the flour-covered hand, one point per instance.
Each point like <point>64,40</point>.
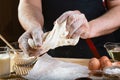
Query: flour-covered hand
<point>77,24</point>
<point>36,35</point>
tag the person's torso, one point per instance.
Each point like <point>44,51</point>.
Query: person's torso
<point>53,9</point>
<point>92,9</point>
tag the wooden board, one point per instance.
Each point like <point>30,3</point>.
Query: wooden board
<point>77,61</point>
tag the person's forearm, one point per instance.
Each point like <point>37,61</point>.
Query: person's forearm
<point>105,24</point>
<point>29,15</point>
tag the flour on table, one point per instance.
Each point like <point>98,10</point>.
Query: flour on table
<point>48,68</point>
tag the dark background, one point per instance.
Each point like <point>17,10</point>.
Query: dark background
<point>10,27</point>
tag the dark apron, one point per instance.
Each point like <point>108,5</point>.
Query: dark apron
<point>92,9</point>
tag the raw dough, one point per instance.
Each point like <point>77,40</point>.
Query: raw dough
<point>55,38</point>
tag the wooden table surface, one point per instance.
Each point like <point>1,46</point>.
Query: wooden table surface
<point>75,60</point>
<point>24,70</point>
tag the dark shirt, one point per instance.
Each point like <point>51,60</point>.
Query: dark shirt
<point>92,9</point>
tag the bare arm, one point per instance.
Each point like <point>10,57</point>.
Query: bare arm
<point>31,19</point>
<point>30,13</point>
<point>107,23</point>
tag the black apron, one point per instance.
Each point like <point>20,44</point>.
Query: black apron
<point>92,9</point>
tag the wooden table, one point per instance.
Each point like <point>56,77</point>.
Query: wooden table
<point>23,70</point>
<point>75,60</point>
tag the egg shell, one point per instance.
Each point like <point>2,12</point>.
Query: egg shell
<point>104,58</point>
<point>94,64</point>
<point>105,62</point>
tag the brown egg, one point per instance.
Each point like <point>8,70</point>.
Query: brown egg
<point>105,62</point>
<point>94,64</point>
<point>104,58</point>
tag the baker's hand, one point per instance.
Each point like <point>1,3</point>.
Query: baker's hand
<point>36,35</point>
<point>77,24</point>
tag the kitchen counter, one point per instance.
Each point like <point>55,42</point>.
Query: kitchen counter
<point>21,70</point>
<point>75,60</point>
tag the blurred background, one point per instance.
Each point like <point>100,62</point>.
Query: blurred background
<point>10,27</point>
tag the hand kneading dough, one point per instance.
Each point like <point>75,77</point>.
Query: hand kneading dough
<point>48,68</point>
<point>55,38</point>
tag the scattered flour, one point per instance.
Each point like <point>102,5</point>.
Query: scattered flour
<point>112,71</point>
<point>48,68</point>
